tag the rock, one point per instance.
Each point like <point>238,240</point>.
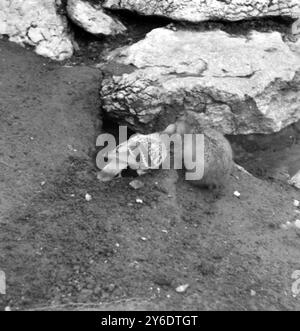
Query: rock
<point>36,23</point>
<point>2,282</point>
<point>238,85</point>
<point>182,288</point>
<point>136,184</point>
<point>93,19</point>
<point>88,197</point>
<point>202,10</point>
<point>295,181</point>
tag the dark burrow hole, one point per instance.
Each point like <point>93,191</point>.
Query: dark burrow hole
<point>112,127</point>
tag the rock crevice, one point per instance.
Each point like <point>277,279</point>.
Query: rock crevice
<point>202,10</point>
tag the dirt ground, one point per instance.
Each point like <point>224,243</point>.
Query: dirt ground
<point>61,252</point>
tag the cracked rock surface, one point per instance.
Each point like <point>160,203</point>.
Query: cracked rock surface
<point>36,23</point>
<point>93,19</point>
<point>202,10</point>
<point>239,85</point>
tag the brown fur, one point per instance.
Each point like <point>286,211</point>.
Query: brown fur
<point>218,155</point>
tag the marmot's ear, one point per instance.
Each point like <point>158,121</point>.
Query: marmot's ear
<point>171,129</point>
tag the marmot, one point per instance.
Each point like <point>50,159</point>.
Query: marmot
<point>218,155</point>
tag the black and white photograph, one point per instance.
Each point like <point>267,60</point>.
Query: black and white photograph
<point>149,158</point>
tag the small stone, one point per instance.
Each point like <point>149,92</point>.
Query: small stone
<point>136,184</point>
<point>297,224</point>
<point>140,201</point>
<point>287,225</point>
<point>92,18</point>
<point>144,238</point>
<point>237,194</point>
<point>7,308</point>
<point>182,288</point>
<point>88,197</point>
<point>295,181</point>
<point>2,282</point>
<point>253,293</point>
<point>296,203</point>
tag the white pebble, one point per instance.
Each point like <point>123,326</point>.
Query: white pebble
<point>182,288</point>
<point>139,201</point>
<point>296,203</point>
<point>7,309</point>
<point>237,194</point>
<point>287,225</point>
<point>88,197</point>
<point>297,224</point>
<point>2,282</point>
<point>253,293</point>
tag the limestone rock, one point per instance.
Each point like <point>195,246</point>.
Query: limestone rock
<point>36,23</point>
<point>239,85</point>
<point>93,19</point>
<point>202,10</point>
